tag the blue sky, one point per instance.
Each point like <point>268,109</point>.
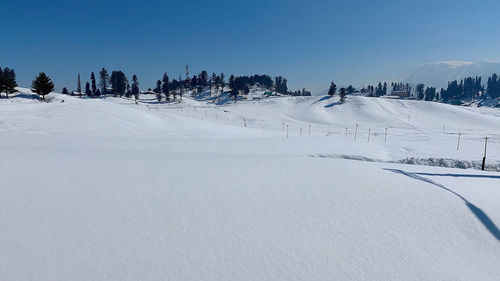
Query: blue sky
<point>308,42</point>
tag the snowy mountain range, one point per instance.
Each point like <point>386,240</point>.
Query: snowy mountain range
<point>439,73</point>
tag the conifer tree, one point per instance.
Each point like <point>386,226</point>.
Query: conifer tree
<point>103,81</point>
<point>222,82</point>
<point>165,88</point>
<point>118,82</point>
<point>92,80</point>
<point>158,87</point>
<point>333,89</point>
<point>42,85</point>
<point>79,85</point>
<point>135,87</point>
<point>88,92</point>
<point>65,91</point>
<point>157,91</point>
<point>10,83</point>
<point>342,95</point>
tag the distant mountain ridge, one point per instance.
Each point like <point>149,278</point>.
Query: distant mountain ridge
<point>439,73</point>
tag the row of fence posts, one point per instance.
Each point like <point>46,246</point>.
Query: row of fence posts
<point>285,129</point>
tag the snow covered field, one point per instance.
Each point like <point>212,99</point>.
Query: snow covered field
<point>109,190</point>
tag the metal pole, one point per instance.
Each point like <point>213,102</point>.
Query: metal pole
<point>484,157</point>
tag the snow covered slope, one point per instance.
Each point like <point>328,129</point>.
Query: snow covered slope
<point>440,73</point>
<point>109,190</point>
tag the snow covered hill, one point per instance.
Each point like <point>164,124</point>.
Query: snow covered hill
<point>440,73</point>
<point>279,188</point>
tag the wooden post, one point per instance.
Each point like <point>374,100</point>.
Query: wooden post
<point>356,131</point>
<point>369,133</point>
<point>458,144</point>
<point>484,157</point>
<point>385,135</point>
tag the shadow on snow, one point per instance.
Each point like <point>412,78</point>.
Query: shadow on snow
<point>480,215</point>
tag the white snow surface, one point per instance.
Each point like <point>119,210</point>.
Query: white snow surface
<point>104,189</point>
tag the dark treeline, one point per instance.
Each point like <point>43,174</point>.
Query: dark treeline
<point>166,89</point>
<point>457,91</point>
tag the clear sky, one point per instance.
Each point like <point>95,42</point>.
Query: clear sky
<point>308,42</point>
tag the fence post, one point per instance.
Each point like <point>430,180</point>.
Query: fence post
<point>369,133</point>
<point>484,157</point>
<point>458,144</point>
<point>356,131</point>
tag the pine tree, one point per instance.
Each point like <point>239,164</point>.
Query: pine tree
<point>342,95</point>
<point>135,87</point>
<point>103,81</point>
<point>222,82</point>
<point>65,91</point>
<point>88,92</point>
<point>3,80</point>
<point>333,89</point>
<point>10,83</point>
<point>42,85</point>
<point>158,87</point>
<point>157,91</point>
<point>92,80</point>
<point>203,78</point>
<point>118,82</point>
<point>79,85</point>
<point>420,91</point>
<point>165,88</point>
<point>350,89</point>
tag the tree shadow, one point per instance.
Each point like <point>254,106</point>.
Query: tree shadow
<point>332,104</point>
<point>459,175</point>
<point>322,99</point>
<point>480,214</point>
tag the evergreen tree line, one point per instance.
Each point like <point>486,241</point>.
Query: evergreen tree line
<point>117,84</point>
<point>8,82</point>
<point>466,89</point>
